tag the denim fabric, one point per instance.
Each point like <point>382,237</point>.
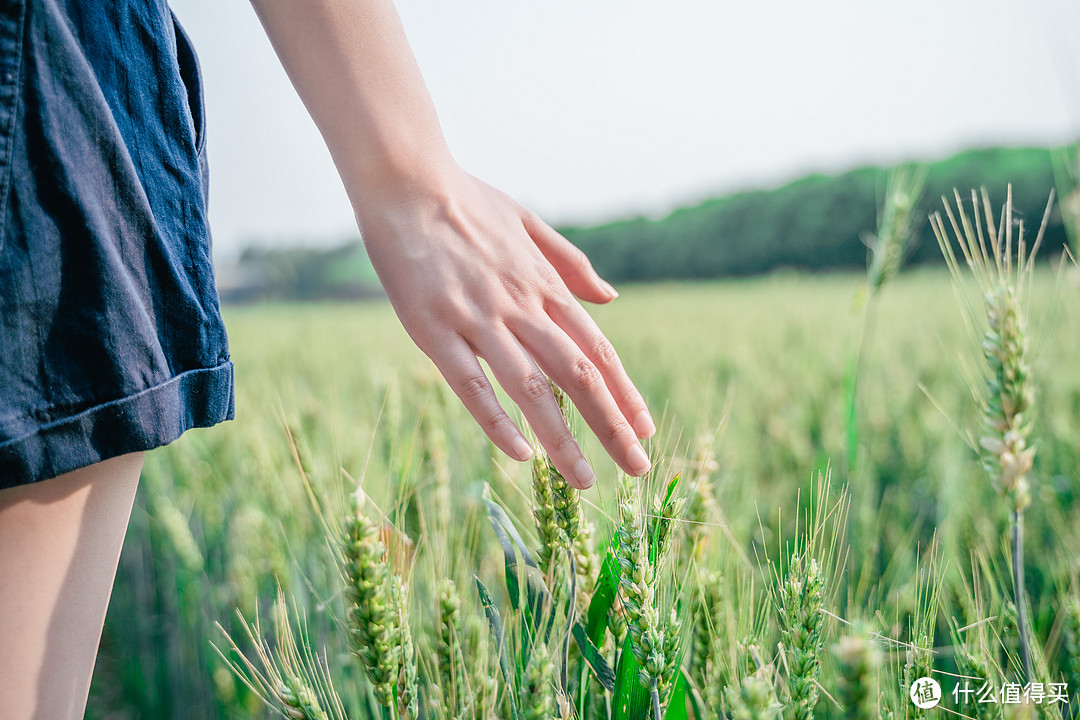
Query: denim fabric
<point>111,339</point>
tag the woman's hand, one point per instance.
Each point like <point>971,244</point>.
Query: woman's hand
<point>471,273</point>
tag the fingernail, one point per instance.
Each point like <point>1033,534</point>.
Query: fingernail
<point>611,292</point>
<point>643,425</point>
<point>638,460</point>
<point>521,448</point>
<point>584,474</point>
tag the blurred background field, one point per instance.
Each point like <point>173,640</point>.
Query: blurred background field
<point>722,164</point>
<point>751,369</point>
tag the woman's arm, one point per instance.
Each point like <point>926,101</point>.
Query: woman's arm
<point>470,272</point>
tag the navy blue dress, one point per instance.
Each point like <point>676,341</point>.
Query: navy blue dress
<point>111,338</point>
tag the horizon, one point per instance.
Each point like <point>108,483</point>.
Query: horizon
<point>587,115</point>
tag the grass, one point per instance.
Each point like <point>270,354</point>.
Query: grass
<point>750,385</point>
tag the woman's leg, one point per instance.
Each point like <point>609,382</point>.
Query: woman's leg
<point>60,542</point>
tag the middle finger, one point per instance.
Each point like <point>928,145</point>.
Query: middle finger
<point>528,387</point>
<point>561,358</point>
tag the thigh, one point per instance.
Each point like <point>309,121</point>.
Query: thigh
<point>60,541</point>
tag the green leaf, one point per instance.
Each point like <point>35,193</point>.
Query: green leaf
<point>538,610</point>
<point>600,667</point>
<point>696,701</point>
<point>495,623</point>
<point>497,513</point>
<point>670,491</point>
<point>495,516</point>
<point>676,709</point>
<point>571,608</point>
<point>654,546</point>
<point>607,587</point>
<point>630,700</point>
<point>851,412</point>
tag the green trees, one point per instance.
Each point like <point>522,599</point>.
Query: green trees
<point>814,223</point>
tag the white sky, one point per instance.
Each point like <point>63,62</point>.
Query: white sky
<point>587,110</point>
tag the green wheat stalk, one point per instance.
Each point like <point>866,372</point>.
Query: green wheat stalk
<point>289,677</point>
<point>802,625</point>
<point>637,586</point>
<point>752,700</point>
<point>1071,642</point>
<point>448,653</point>
<point>376,613</point>
<point>536,694</point>
<point>889,246</point>
<point>707,639</point>
<point>858,658</point>
<point>560,520</point>
<point>1009,391</point>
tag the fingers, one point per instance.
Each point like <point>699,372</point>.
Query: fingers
<point>583,331</point>
<point>528,387</point>
<point>582,379</point>
<point>457,363</point>
<point>569,261</point>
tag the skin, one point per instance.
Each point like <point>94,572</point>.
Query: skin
<point>470,272</point>
<point>61,539</point>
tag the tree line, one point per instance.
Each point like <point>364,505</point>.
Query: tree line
<point>815,223</point>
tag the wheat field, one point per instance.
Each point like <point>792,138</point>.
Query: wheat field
<point>784,573</point>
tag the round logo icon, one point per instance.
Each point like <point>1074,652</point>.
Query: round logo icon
<point>925,693</point>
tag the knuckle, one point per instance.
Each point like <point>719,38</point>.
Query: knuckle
<point>563,305</point>
<point>452,313</point>
<point>584,375</point>
<point>565,444</point>
<point>604,352</point>
<point>469,324</point>
<point>475,387</point>
<point>443,312</point>
<point>533,387</point>
<point>549,278</point>
<point>517,288</point>
<point>630,398</point>
<point>494,423</point>
<point>618,430</point>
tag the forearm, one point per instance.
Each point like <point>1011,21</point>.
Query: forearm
<point>352,66</point>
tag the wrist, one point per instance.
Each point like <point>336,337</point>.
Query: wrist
<point>390,172</point>
<point>400,192</point>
